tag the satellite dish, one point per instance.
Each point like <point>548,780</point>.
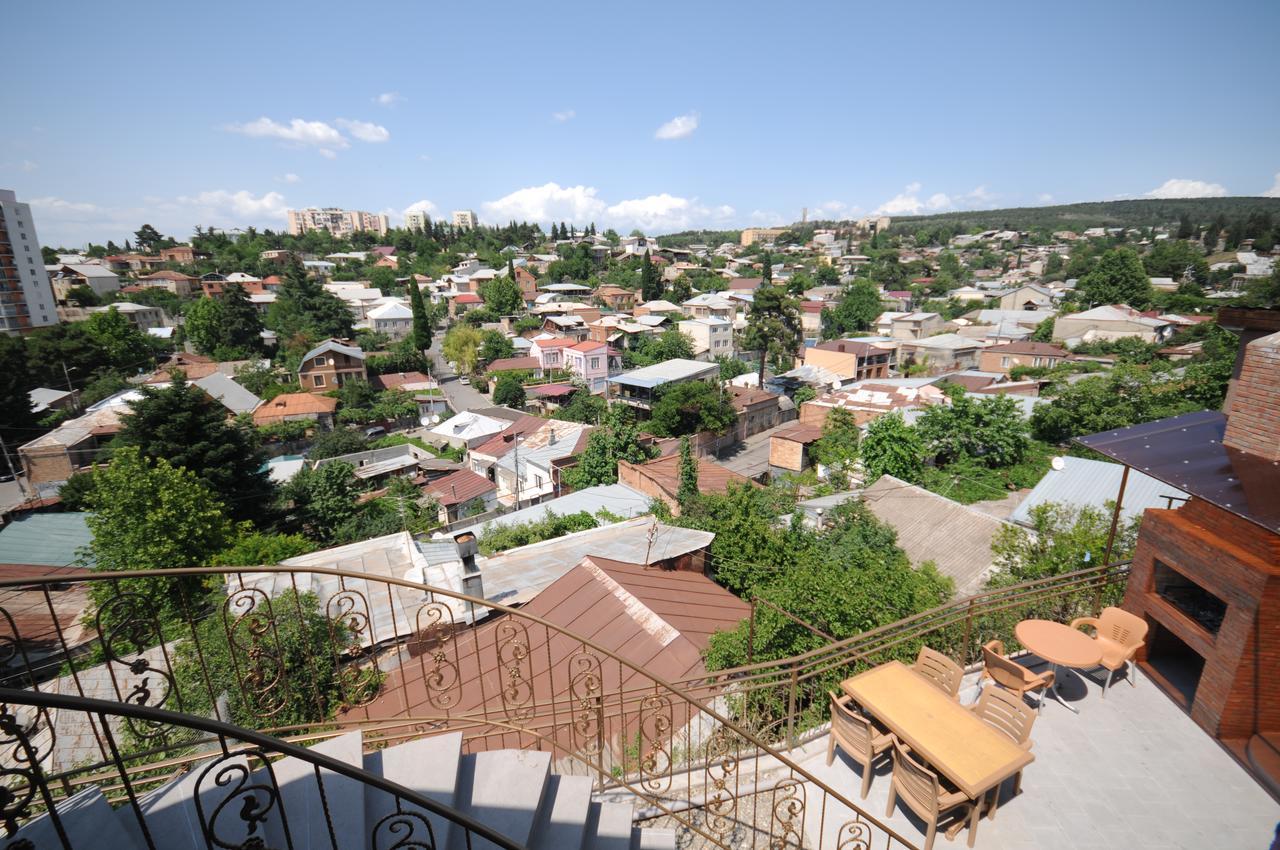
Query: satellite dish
<point>435,419</point>
<point>1058,463</point>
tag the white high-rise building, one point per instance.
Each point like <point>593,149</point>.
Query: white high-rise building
<point>465,218</point>
<point>26,296</point>
<point>416,220</point>
<point>339,222</point>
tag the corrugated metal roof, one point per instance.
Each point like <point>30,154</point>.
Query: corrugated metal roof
<point>1092,483</point>
<point>617,499</point>
<point>50,540</point>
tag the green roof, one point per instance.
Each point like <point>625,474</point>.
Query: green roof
<point>50,540</point>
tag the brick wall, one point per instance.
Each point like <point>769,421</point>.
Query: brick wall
<point>786,454</point>
<point>1238,692</point>
<point>1253,424</point>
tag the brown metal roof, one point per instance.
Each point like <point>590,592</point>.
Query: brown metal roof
<point>800,434</point>
<point>458,487</point>
<point>1187,452</point>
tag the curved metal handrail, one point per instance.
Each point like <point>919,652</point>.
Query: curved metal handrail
<point>44,701</point>
<point>799,773</point>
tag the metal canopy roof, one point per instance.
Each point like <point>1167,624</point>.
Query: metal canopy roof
<point>1187,452</point>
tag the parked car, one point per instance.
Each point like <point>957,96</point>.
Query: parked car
<point>466,379</point>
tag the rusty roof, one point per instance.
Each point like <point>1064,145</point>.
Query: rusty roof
<point>499,444</point>
<point>744,397</point>
<point>294,404</point>
<point>712,477</point>
<point>800,434</point>
<point>458,488</point>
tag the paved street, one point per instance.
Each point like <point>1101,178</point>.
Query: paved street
<point>751,457</point>
<point>460,396</point>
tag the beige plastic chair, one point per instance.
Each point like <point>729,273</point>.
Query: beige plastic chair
<point>1010,716</point>
<point>857,736</point>
<point>1121,635</point>
<point>1011,675</point>
<point>924,794</point>
<point>940,670</point>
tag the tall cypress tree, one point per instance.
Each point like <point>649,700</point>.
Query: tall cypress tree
<point>650,280</point>
<point>766,266</point>
<point>421,324</point>
<point>688,489</point>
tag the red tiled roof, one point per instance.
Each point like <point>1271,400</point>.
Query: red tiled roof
<point>554,342</point>
<point>812,306</point>
<point>513,364</point>
<point>550,390</point>
<point>294,404</point>
<point>392,380</point>
<point>468,298</point>
<point>744,397</point>
<point>167,275</point>
<point>589,345</point>
<point>712,477</point>
<point>458,488</point>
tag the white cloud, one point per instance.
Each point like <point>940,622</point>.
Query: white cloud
<point>291,178</point>
<point>59,207</point>
<point>1183,188</point>
<point>563,115</point>
<point>29,166</point>
<point>1274,191</point>
<point>548,202</point>
<point>423,206</point>
<point>328,154</point>
<point>314,133</point>
<point>1044,198</point>
<point>241,206</point>
<point>678,127</point>
<point>390,98</point>
<point>909,201</point>
<point>938,201</point>
<point>658,213</point>
<point>365,131</point>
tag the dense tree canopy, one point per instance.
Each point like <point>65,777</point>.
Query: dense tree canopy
<point>689,407</point>
<point>892,447</point>
<point>227,328</point>
<point>773,326</point>
<point>990,429</point>
<point>856,311</point>
<point>617,438</point>
<point>1118,278</point>
<point>304,308</point>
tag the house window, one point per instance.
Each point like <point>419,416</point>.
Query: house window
<point>319,361</point>
<point>1004,362</point>
<point>318,379</point>
<point>595,362</point>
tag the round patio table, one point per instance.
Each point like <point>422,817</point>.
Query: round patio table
<point>1061,646</point>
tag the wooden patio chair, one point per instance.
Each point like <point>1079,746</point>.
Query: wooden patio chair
<point>926,795</point>
<point>940,670</point>
<point>1011,675</point>
<point>860,739</point>
<point>1010,716</point>
<point>1120,635</point>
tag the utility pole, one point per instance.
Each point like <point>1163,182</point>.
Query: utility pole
<point>22,488</point>
<point>75,401</point>
<point>517,465</point>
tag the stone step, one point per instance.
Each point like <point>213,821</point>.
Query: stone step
<point>87,820</point>
<point>428,766</point>
<point>170,810</point>
<point>653,839</point>
<point>504,790</point>
<point>562,820</point>
<point>304,805</point>
<point>609,827</point>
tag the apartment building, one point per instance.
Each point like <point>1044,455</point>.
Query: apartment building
<point>26,296</point>
<point>339,222</point>
<point>712,337</point>
<point>752,235</point>
<point>416,220</point>
<point>465,219</point>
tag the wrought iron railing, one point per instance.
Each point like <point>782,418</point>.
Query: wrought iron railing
<point>236,797</point>
<point>398,660</point>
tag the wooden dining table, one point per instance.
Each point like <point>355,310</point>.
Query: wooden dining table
<point>950,737</point>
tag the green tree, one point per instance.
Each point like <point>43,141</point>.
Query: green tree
<point>461,347</point>
<point>856,311</point>
<point>304,307</point>
<point>260,548</point>
<point>582,407</point>
<point>502,295</point>
<point>688,489</point>
<point>731,367</point>
<point>383,279</point>
<point>990,429</point>
<point>651,288</point>
<point>1176,259</point>
<point>324,498</point>
<point>1118,278</point>
<point>1044,330</point>
<point>671,344</point>
<point>496,346</point>
<point>689,407</point>
<point>123,347</point>
<point>421,335</point>
<point>149,515</point>
<point>227,328</point>
<point>508,391</point>
<point>84,296</point>
<point>1265,292</point>
<point>773,326</point>
<point>148,239</point>
<point>181,424</point>
<point>892,447</point>
<point>766,269</point>
<point>617,438</point>
<point>837,449</point>
<point>17,421</point>
<point>1062,539</point>
<point>1126,395</point>
<point>335,443</point>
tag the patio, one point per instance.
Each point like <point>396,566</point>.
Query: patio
<point>1132,771</point>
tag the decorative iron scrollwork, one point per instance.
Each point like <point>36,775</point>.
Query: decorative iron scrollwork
<point>722,792</point>
<point>787,815</point>
<point>516,668</point>
<point>656,725</point>
<point>128,628</point>
<point>11,647</point>
<point>21,781</point>
<point>439,658</point>
<point>586,695</point>
<point>252,802</point>
<point>409,831</point>
<point>350,629</point>
<point>256,653</point>
<point>854,835</point>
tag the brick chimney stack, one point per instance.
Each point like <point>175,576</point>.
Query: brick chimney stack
<point>1253,417</point>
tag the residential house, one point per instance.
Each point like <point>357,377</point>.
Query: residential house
<point>942,353</point>
<point>485,451</point>
<point>661,307</point>
<point>76,443</point>
<point>811,319</point>
<point>789,448</point>
<point>532,365</point>
<point>463,302</point>
<point>529,473</point>
<point>660,478</point>
<point>550,350</point>
<point>297,407</point>
<point>710,305</point>
<point>616,298</point>
<point>528,283</point>
<point>142,316</point>
<point>393,318</point>
<point>181,285</point>
<point>378,466</point>
<point>1030,297</point>
<point>183,255</point>
<point>45,400</point>
<point>461,494</point>
<point>331,364</point>
<point>1085,483</point>
<point>869,400</point>
<point>758,410</point>
<point>908,325</point>
<point>1109,322</point>
<point>640,388</point>
<point>851,359</point>
<point>468,429</point>
<point>592,363</point>
<point>235,398</point>
<point>102,280</point>
<point>712,337</point>
<point>1004,358</point>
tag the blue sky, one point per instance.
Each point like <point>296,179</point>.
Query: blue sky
<point>660,116</point>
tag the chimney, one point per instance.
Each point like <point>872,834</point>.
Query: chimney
<point>1253,411</point>
<point>472,584</point>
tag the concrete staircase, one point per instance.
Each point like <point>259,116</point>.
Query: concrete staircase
<point>511,791</point>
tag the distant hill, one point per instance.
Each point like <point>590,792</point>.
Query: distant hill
<point>1132,213</point>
